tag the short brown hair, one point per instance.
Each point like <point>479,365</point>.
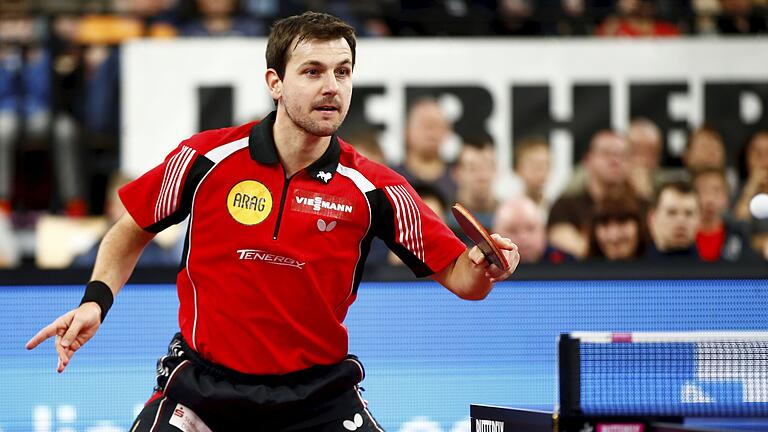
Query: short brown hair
<point>680,186</point>
<point>289,32</point>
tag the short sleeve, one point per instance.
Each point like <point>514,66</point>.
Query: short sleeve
<point>415,233</point>
<point>162,196</point>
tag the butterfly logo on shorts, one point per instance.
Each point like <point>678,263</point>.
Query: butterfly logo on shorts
<point>354,424</point>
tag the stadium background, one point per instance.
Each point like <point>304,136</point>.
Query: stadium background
<point>428,354</point>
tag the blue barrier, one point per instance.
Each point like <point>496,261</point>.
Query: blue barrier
<point>428,354</point>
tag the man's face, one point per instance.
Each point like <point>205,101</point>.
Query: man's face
<point>713,195</point>
<point>618,239</point>
<point>476,170</point>
<point>675,220</point>
<point>757,156</point>
<point>704,151</point>
<point>533,167</point>
<point>645,146</point>
<point>427,129</point>
<point>317,87</point>
<point>608,159</point>
<point>524,225</point>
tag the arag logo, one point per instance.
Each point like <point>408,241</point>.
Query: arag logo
<point>249,202</point>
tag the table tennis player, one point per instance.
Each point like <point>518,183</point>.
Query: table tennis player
<point>281,216</point>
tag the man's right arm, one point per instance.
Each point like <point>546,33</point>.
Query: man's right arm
<point>118,253</point>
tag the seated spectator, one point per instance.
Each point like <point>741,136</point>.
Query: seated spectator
<point>566,17</point>
<point>218,18</point>
<point>475,172</point>
<point>515,18</point>
<point>737,17</point>
<point>163,250</point>
<point>532,165</point>
<point>606,166</point>
<point>719,236</point>
<point>367,144</point>
<point>426,131</point>
<point>27,114</point>
<point>636,18</point>
<point>705,149</point>
<point>617,231</point>
<point>520,220</point>
<point>673,222</point>
<point>756,165</point>
<point>645,145</point>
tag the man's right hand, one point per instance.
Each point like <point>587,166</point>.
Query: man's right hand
<point>72,331</point>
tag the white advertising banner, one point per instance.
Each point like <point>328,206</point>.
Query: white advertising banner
<point>563,89</point>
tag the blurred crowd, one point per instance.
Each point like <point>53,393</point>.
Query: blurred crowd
<point>60,87</point>
<point>621,203</point>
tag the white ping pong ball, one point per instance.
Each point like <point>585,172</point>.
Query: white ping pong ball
<point>758,206</point>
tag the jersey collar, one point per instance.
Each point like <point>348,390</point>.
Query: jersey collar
<point>261,145</point>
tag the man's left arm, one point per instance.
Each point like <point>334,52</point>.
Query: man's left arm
<point>471,277</point>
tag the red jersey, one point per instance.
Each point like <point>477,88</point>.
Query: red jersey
<point>271,264</point>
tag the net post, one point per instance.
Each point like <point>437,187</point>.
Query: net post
<point>569,375</point>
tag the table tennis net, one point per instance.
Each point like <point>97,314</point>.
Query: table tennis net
<point>676,375</point>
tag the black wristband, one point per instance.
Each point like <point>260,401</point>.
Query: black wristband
<point>99,292</point>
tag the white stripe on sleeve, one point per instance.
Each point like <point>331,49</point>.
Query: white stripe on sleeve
<point>169,191</point>
<point>408,219</point>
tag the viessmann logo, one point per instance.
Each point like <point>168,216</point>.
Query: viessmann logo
<point>320,204</point>
<point>269,258</point>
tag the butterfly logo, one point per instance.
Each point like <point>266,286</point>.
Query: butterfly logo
<point>354,424</point>
<point>325,227</point>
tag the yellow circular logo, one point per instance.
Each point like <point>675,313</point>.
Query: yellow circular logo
<point>249,202</point>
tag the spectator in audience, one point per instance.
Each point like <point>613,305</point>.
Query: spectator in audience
<point>532,165</point>
<point>636,18</point>
<point>645,145</point>
<point>705,149</point>
<point>606,166</point>
<point>520,220</point>
<point>475,172</point>
<point>26,111</point>
<point>367,144</point>
<point>9,249</point>
<point>566,17</point>
<point>515,18</point>
<point>218,18</point>
<point>426,131</point>
<point>674,221</point>
<point>737,17</point>
<point>159,252</point>
<point>719,236</point>
<point>756,173</point>
<point>617,231</point>
<point>756,164</point>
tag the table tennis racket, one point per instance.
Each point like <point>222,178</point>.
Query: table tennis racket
<point>479,236</point>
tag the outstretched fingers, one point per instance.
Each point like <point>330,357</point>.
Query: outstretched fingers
<point>51,330</point>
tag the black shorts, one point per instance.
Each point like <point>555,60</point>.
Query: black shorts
<point>195,395</point>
